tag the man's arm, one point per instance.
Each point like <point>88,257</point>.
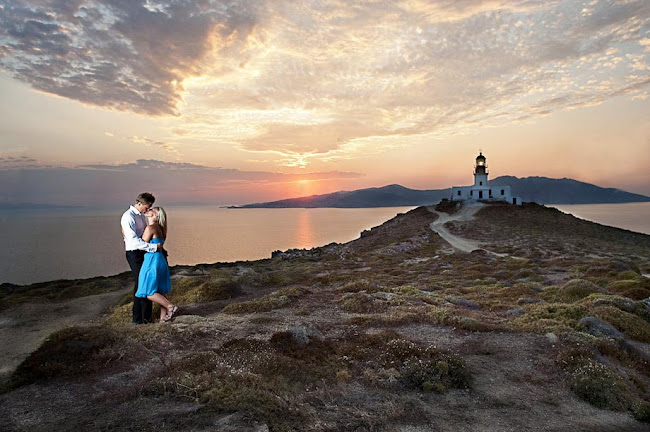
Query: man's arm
<point>128,230</point>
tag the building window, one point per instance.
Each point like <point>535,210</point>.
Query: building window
<point>502,192</point>
<point>490,193</point>
<point>458,193</point>
<point>480,183</point>
<point>471,193</point>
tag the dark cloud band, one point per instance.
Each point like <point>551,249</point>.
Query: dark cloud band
<point>128,55</point>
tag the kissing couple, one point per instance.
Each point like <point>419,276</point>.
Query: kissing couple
<point>144,229</point>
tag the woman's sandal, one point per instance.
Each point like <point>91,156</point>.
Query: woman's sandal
<point>171,314</point>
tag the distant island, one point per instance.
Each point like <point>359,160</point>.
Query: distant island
<point>541,190</point>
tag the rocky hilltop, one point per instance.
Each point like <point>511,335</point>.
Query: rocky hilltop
<point>541,328</point>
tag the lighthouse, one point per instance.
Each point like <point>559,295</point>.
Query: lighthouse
<point>481,190</point>
<point>480,171</point>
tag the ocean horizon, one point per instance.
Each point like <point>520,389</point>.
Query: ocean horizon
<point>74,243</point>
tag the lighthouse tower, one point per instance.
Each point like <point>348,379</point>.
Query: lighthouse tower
<point>480,172</point>
<point>481,190</point>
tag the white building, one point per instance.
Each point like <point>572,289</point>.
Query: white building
<point>482,191</point>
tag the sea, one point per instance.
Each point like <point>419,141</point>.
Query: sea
<point>41,245</point>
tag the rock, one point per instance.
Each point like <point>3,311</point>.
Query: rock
<point>191,272</point>
<point>600,328</point>
<point>552,338</point>
<point>468,304</point>
<point>303,334</point>
<point>514,313</point>
<point>623,303</point>
<point>529,300</point>
<point>189,319</point>
<point>384,295</point>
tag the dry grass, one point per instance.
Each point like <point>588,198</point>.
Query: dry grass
<point>361,295</point>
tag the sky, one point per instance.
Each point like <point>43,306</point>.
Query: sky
<point>237,101</point>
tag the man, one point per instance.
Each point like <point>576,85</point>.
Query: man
<point>133,224</point>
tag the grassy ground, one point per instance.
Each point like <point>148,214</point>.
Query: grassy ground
<point>385,332</point>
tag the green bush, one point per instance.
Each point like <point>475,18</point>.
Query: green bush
<point>636,289</point>
<point>598,385</point>
<point>577,289</point>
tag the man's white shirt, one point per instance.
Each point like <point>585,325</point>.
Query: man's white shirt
<point>133,224</point>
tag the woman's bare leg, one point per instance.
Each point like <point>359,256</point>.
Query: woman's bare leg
<point>161,300</point>
<point>165,304</point>
<point>163,311</point>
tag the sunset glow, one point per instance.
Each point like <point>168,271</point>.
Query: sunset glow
<point>269,99</point>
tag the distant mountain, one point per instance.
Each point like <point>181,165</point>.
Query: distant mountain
<point>542,190</point>
<point>387,196</point>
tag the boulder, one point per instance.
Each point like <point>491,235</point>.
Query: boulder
<point>600,328</point>
<point>552,338</point>
<point>514,313</point>
<point>529,300</point>
<point>303,334</point>
<point>468,304</point>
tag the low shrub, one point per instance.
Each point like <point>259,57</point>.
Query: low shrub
<point>71,352</point>
<point>359,285</point>
<point>632,325</point>
<point>598,385</point>
<point>276,300</point>
<point>577,289</point>
<point>206,291</point>
<point>636,289</point>
<point>550,317</point>
<point>362,303</point>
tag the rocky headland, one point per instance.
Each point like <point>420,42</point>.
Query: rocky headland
<point>524,318</point>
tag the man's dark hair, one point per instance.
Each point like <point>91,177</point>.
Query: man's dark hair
<point>146,198</point>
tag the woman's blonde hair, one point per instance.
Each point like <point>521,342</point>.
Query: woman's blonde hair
<point>162,220</point>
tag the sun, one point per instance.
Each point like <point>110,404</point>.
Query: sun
<point>305,187</point>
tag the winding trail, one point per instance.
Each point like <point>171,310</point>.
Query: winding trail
<point>25,326</point>
<point>466,213</point>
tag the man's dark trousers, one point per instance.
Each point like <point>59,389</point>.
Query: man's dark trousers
<point>141,306</point>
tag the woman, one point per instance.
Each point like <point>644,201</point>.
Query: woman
<point>154,282</point>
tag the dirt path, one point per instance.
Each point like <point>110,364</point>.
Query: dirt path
<point>24,327</point>
<point>466,213</point>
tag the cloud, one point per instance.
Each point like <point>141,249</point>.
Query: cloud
<point>126,54</point>
<point>329,79</point>
<point>168,147</point>
<point>18,162</point>
<point>398,69</point>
